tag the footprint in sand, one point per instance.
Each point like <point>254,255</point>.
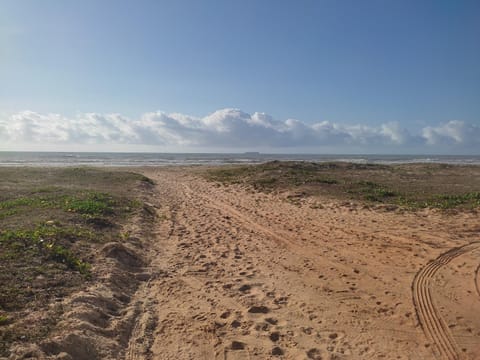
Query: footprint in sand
<point>237,345</point>
<point>244,288</point>
<point>235,324</point>
<point>314,354</point>
<point>274,336</point>
<point>259,310</point>
<point>272,321</point>
<point>277,351</point>
<point>225,314</point>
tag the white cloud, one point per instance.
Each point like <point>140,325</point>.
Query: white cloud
<point>396,134</point>
<point>224,129</point>
<point>453,132</point>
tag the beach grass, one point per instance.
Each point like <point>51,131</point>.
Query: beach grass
<point>52,220</point>
<point>411,186</point>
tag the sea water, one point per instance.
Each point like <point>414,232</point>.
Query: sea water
<point>166,159</point>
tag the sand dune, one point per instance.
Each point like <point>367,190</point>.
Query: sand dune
<point>230,273</point>
<point>244,275</point>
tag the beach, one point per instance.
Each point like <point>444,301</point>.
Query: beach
<point>216,270</point>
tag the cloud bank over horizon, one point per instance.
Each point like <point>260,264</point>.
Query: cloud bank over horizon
<point>226,130</point>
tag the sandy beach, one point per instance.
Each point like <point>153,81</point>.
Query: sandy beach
<point>239,180</point>
<point>227,272</point>
<point>246,275</point>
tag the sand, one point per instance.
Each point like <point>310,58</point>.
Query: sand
<point>245,275</point>
<point>237,274</point>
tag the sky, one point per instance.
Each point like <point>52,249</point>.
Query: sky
<point>317,76</point>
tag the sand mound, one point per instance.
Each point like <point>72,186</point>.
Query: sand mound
<point>236,274</point>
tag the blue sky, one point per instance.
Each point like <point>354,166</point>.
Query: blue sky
<point>413,65</point>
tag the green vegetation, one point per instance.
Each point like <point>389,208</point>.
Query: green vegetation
<point>409,186</point>
<point>371,191</point>
<point>52,222</point>
<point>445,201</point>
<point>93,204</point>
<point>87,203</point>
<point>46,238</point>
<point>271,174</point>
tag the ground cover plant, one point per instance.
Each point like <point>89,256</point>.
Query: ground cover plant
<point>51,223</point>
<point>411,186</point>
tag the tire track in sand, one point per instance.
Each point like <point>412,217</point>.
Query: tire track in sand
<point>279,237</point>
<point>477,280</point>
<point>432,323</point>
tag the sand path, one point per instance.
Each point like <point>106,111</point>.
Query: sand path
<point>243,275</point>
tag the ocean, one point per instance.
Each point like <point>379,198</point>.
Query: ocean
<point>168,159</point>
